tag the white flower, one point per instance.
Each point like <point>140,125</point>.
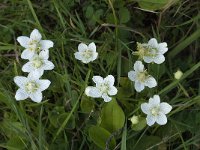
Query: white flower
<point>152,51</point>
<point>141,77</point>
<point>104,87</point>
<point>30,86</point>
<point>156,111</point>
<point>39,63</point>
<point>34,44</point>
<point>86,53</point>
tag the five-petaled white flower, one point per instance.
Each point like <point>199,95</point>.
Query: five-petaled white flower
<point>34,44</point>
<point>86,53</point>
<point>39,63</point>
<point>141,77</point>
<point>31,86</point>
<point>156,111</point>
<point>152,51</point>
<point>104,87</point>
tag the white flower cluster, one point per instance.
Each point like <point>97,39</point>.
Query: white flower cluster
<point>37,52</point>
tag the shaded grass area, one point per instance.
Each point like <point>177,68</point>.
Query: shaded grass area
<point>60,121</point>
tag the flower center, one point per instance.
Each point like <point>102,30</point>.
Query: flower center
<point>37,62</point>
<point>34,46</point>
<point>152,52</point>
<point>104,88</point>
<point>142,76</point>
<point>155,111</point>
<point>146,50</point>
<point>87,54</point>
<point>31,87</point>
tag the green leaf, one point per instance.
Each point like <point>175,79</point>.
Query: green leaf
<point>147,141</point>
<point>86,104</point>
<point>100,136</point>
<point>89,12</point>
<point>140,125</point>
<point>112,116</point>
<point>16,143</point>
<point>124,15</point>
<point>153,4</point>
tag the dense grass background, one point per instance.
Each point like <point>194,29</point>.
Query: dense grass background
<point>63,118</point>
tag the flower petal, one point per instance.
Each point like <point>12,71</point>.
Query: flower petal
<point>145,108</point>
<point>153,42</point>
<point>132,75</point>
<point>106,98</point>
<point>92,47</point>
<point>150,120</point>
<point>162,47</point>
<point>78,56</point>
<point>150,82</point>
<point>23,41</point>
<point>148,59</point>
<point>155,100</point>
<point>34,75</point>
<point>161,119</point>
<point>110,80</point>
<point>36,97</point>
<point>46,44</point>
<point>112,90</point>
<point>28,67</point>
<point>92,92</point>
<point>48,65</point>
<point>43,84</point>
<point>159,59</point>
<point>35,35</point>
<point>27,54</point>
<point>94,56</point>
<point>97,79</point>
<point>165,108</point>
<point>21,95</point>
<point>44,54</point>
<point>20,81</point>
<point>139,86</point>
<point>82,47</point>
<point>138,66</point>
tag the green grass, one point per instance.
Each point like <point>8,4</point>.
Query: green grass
<point>64,117</point>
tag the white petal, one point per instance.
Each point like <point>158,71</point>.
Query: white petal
<point>138,66</point>
<point>110,80</point>
<point>139,86</point>
<point>162,47</point>
<point>36,97</point>
<point>161,119</point>
<point>132,75</point>
<point>34,75</point>
<point>20,81</point>
<point>153,42</point>
<point>21,95</point>
<point>97,79</point>
<point>159,59</point>
<point>165,108</point>
<point>48,65</point>
<point>43,84</point>
<point>155,100</point>
<point>92,47</point>
<point>82,47</point>
<point>38,71</point>
<point>35,35</point>
<point>145,108</point>
<point>44,54</point>
<point>92,92</point>
<point>148,59</point>
<point>150,120</point>
<point>112,90</point>
<point>46,44</point>
<point>23,41</point>
<point>106,98</point>
<point>78,56</point>
<point>94,56</point>
<point>27,54</point>
<point>28,67</point>
<point>150,82</point>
